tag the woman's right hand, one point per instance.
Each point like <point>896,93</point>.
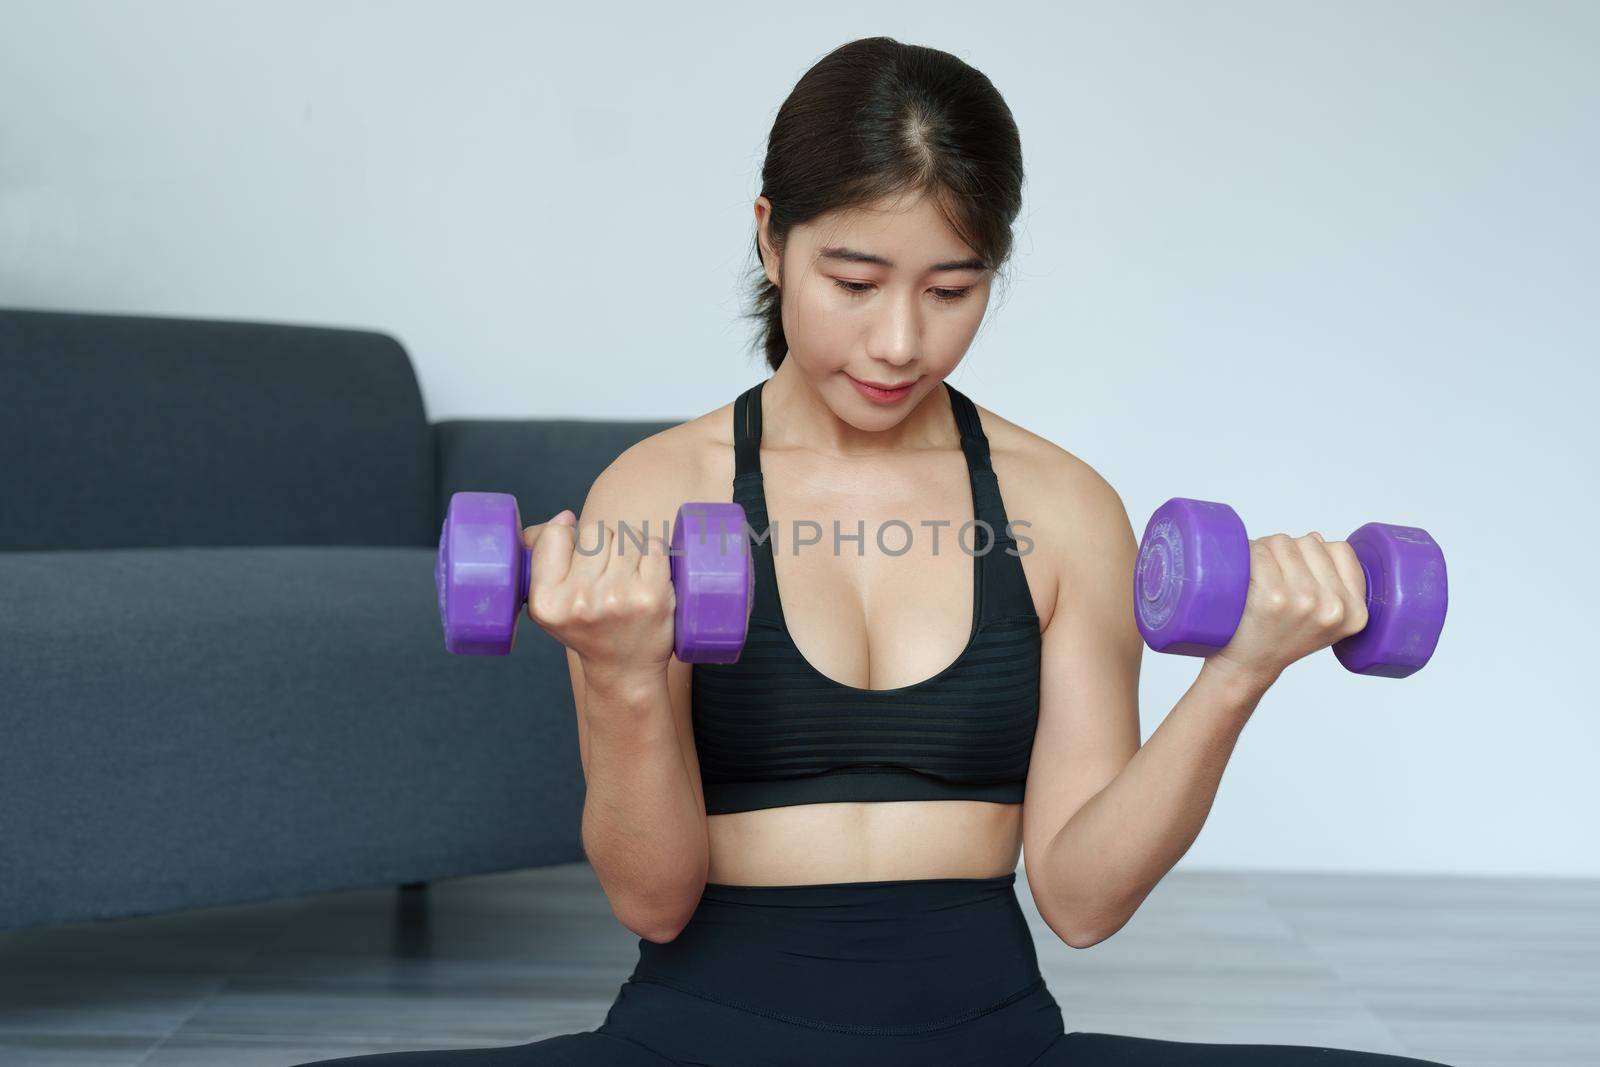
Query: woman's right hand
<point>613,607</point>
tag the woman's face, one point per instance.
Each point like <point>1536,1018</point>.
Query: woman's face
<point>886,296</point>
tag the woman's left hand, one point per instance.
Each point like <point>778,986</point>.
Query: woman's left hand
<point>1305,594</point>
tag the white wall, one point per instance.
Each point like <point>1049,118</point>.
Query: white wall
<point>1327,262</point>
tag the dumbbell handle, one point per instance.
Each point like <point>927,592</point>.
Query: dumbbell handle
<point>1152,570</point>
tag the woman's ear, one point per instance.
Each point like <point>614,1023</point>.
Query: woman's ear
<point>771,261</point>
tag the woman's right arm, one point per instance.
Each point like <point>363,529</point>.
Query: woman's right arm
<point>644,822</point>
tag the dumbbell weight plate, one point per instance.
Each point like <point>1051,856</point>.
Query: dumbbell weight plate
<point>1407,596</point>
<point>481,573</point>
<point>1191,577</point>
<point>713,582</point>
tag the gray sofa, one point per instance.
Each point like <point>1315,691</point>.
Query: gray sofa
<point>222,677</point>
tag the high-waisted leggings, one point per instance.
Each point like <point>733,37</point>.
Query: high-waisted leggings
<point>932,972</point>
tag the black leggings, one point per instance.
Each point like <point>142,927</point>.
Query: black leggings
<point>929,972</point>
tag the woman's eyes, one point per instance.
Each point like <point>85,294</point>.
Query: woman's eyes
<point>948,296</point>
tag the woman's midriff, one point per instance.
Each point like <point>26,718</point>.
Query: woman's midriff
<point>809,844</point>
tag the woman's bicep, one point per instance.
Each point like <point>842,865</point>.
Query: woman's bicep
<point>1089,667</point>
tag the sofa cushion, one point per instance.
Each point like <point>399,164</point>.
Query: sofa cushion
<point>207,725</point>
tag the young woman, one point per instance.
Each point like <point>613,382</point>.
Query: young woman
<point>817,844</point>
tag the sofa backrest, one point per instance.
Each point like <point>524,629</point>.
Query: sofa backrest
<point>546,464</point>
<point>136,431</point>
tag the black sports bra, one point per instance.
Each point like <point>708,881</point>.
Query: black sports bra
<point>771,730</point>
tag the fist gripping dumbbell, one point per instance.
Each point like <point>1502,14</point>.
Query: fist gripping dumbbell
<point>483,572</point>
<point>1193,573</point>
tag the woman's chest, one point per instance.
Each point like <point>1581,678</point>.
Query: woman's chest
<point>876,564</point>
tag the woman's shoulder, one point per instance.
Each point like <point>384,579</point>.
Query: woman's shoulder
<point>1038,466</point>
<point>1072,513</point>
<point>659,472</point>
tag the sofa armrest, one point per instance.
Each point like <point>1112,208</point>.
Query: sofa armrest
<point>547,464</point>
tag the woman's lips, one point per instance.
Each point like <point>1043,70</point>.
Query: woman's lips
<point>881,396</point>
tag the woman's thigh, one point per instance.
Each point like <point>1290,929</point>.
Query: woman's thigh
<point>1079,1049</point>
<point>569,1050</point>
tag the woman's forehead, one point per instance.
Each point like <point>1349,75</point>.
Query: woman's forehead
<point>915,238</point>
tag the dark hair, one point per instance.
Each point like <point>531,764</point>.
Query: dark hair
<point>875,119</point>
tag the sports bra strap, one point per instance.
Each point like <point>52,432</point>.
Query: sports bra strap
<point>967,422</point>
<point>749,490</point>
<point>747,432</point>
<point>986,502</point>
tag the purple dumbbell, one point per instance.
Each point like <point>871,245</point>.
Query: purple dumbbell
<point>483,572</point>
<point>1193,573</point>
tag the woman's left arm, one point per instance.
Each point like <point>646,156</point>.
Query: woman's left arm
<point>1105,818</point>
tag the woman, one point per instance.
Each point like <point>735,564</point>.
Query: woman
<point>817,844</point>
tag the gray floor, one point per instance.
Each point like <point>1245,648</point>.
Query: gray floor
<point>1465,971</point>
